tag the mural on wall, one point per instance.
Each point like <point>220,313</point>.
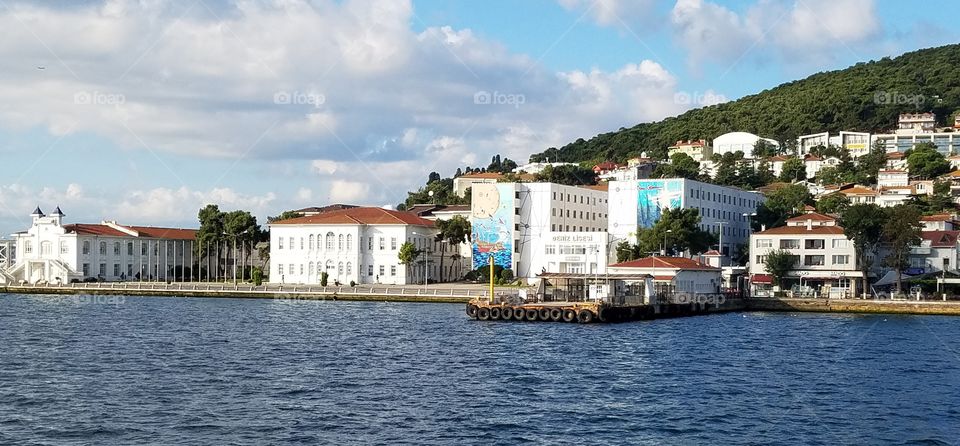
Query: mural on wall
<point>653,196</point>
<point>492,208</point>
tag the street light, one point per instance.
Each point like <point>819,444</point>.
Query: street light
<point>669,231</point>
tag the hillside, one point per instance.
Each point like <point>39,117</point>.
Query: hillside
<point>855,98</point>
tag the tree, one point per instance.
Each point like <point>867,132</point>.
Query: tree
<point>868,165</point>
<point>778,263</point>
<point>834,203</point>
<point>925,162</point>
<point>454,231</point>
<point>793,170</point>
<point>941,200</point>
<point>765,174</point>
<point>681,166</point>
<point>684,233</point>
<point>286,215</point>
<point>763,149</point>
<point>434,176</point>
<point>901,231</point>
<point>572,175</point>
<point>408,253</point>
<point>625,252</point>
<point>863,224</point>
<point>211,228</point>
<point>781,204</point>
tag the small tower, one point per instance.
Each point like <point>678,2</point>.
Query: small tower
<point>58,216</point>
<point>37,215</point>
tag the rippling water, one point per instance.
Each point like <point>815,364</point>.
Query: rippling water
<point>229,371</point>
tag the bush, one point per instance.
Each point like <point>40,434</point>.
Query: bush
<point>353,284</point>
<point>323,278</point>
<point>506,275</point>
<point>470,276</point>
<point>257,276</point>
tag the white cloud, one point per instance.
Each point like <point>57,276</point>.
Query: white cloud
<point>613,12</point>
<point>343,191</point>
<point>804,31</point>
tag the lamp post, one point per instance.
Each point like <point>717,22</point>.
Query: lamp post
<point>749,217</point>
<point>720,240</point>
<point>664,250</point>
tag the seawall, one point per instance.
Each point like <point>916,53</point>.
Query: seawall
<point>855,306</point>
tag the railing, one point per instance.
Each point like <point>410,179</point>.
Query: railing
<point>246,288</point>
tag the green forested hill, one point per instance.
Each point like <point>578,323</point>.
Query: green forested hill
<point>865,97</point>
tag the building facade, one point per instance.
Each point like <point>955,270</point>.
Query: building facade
<point>699,150</point>
<point>53,252</point>
<point>515,223</point>
<point>724,211</point>
<point>740,141</point>
<point>359,245</point>
<point>825,263</point>
<point>674,274</point>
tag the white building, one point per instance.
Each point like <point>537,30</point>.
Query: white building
<point>892,178</point>
<point>674,274</point>
<point>699,149</point>
<point>516,223</point>
<point>948,143</point>
<point>8,254</point>
<point>535,168</point>
<point>857,143</point>
<point>464,182</point>
<point>359,245</point>
<point>914,123</point>
<point>50,251</point>
<point>825,258</point>
<point>812,164</point>
<point>636,169</point>
<point>742,141</point>
<point>724,211</point>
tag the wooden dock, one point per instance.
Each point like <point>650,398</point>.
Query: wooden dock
<point>588,312</point>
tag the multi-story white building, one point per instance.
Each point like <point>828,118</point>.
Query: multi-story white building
<point>857,143</point>
<point>359,245</point>
<point>516,224</point>
<point>740,141</point>
<point>825,258</point>
<point>535,168</point>
<point>892,177</point>
<point>464,182</point>
<point>699,150</point>
<point>913,123</point>
<point>724,211</point>
<point>50,251</point>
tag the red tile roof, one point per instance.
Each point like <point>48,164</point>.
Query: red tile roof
<point>937,217</point>
<point>601,187</point>
<point>144,231</point>
<point>941,239</point>
<point>801,230</point>
<point>361,216</point>
<point>858,190</point>
<point>895,155</point>
<point>815,216</point>
<point>665,262</point>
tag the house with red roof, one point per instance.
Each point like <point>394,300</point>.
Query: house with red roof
<point>673,274</point>
<point>359,245</point>
<point>53,252</point>
<point>825,260</point>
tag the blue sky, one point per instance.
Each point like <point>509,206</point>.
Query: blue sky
<point>145,111</point>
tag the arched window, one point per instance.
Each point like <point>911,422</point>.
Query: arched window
<point>349,266</point>
<point>103,248</point>
<point>86,246</point>
<point>330,241</point>
<point>330,266</point>
<point>46,248</point>
<point>310,269</point>
<point>349,245</point>
<point>340,243</point>
<point>339,269</point>
<point>116,248</point>
<point>319,268</point>
<point>311,245</point>
<point>129,248</point>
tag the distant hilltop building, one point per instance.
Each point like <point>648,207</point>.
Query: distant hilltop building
<point>699,149</point>
<point>535,168</point>
<point>742,141</point>
<point>53,252</point>
<point>637,168</point>
<point>913,123</point>
<point>464,182</point>
<point>912,129</point>
<point>857,143</point>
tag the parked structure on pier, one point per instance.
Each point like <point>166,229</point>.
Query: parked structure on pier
<point>50,251</point>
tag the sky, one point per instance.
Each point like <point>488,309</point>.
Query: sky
<point>145,111</point>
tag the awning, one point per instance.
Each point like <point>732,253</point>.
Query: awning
<point>890,278</point>
<point>762,278</point>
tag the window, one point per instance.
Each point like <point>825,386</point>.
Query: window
<point>129,270</point>
<point>301,269</point>
<point>280,269</point>
<point>550,249</point>
<point>369,270</point>
<point>393,270</point>
<point>816,260</point>
<point>64,247</point>
<point>86,246</point>
<point>280,246</point>
<point>761,260</point>
<point>290,269</point>
<point>349,244</point>
<point>789,244</point>
<point>381,269</point>
<point>370,244</point>
<point>103,269</point>
<point>116,249</point>
<point>103,250</point>
<point>841,260</point>
<point>310,242</point>
<point>393,243</point>
<point>46,248</point>
<point>330,241</point>
<point>156,248</point>
<point>86,269</point>
<point>813,244</point>
<point>129,248</point>
<point>290,239</point>
<point>841,243</point>
<point>382,246</point>
<point>349,268</point>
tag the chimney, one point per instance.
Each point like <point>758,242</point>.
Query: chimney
<point>809,224</point>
